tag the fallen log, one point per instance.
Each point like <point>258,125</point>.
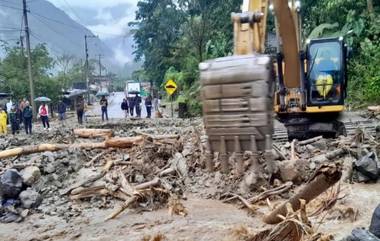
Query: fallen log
<point>328,156</point>
<point>309,141</point>
<point>92,133</point>
<point>325,177</point>
<point>116,142</point>
<point>375,108</point>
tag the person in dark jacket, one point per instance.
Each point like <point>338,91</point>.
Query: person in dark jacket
<point>28,116</point>
<point>131,105</point>
<point>62,111</point>
<point>124,107</point>
<point>80,109</point>
<point>13,120</point>
<point>104,108</point>
<point>137,102</point>
<point>148,106</point>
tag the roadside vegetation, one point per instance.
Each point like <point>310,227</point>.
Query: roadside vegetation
<point>172,37</point>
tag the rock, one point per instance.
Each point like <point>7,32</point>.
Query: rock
<point>249,182</point>
<point>30,175</point>
<point>30,198</point>
<point>361,235</point>
<point>374,228</point>
<point>292,170</point>
<point>49,168</point>
<point>10,184</point>
<point>289,171</point>
<point>50,156</point>
<point>367,168</point>
<point>139,178</point>
<point>321,144</point>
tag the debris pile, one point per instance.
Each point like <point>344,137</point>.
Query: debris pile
<point>150,165</point>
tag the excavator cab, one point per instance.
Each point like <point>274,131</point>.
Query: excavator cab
<point>326,72</point>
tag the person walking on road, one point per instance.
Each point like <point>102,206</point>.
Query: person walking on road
<point>43,111</point>
<point>27,115</point>
<point>137,102</point>
<point>3,122</point>
<point>124,107</point>
<point>148,106</point>
<point>104,107</point>
<point>80,109</point>
<point>131,105</point>
<point>62,112</point>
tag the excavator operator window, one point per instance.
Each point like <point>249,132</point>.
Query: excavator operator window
<point>325,72</point>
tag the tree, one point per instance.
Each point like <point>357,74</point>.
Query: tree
<point>157,29</point>
<point>13,72</point>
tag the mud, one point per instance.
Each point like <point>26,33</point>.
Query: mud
<point>202,193</point>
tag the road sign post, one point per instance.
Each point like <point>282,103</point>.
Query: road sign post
<point>170,88</point>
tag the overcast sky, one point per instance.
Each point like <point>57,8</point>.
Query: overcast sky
<point>107,18</point>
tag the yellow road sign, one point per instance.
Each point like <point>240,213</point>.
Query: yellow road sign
<point>170,87</point>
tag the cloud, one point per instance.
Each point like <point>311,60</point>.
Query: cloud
<point>111,28</point>
<point>95,4</point>
<point>120,56</point>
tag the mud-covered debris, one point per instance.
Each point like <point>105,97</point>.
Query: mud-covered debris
<point>30,198</point>
<point>176,206</point>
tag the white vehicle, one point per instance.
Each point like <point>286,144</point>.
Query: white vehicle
<point>132,88</point>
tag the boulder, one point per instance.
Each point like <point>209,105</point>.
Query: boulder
<point>30,175</point>
<point>374,228</point>
<point>10,184</point>
<point>30,198</point>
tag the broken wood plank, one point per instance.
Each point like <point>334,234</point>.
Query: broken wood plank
<point>325,177</point>
<point>155,182</point>
<point>309,141</point>
<point>275,191</point>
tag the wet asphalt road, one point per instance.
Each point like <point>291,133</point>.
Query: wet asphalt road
<point>114,106</point>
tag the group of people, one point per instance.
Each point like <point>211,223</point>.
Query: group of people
<point>132,105</point>
<point>16,114</point>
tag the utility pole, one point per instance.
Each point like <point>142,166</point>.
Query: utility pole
<point>100,65</point>
<point>22,45</point>
<point>87,67</point>
<point>27,38</point>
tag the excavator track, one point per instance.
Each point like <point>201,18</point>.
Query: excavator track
<point>280,133</point>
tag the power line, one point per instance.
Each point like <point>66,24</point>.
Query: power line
<point>73,11</point>
<point>16,8</point>
<point>42,41</point>
<point>54,20</point>
<point>6,1</point>
<point>59,33</point>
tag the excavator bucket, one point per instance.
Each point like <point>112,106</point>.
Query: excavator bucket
<point>237,103</point>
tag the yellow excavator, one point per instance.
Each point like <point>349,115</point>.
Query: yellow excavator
<point>304,83</point>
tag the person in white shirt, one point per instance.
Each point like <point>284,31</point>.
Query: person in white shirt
<point>9,106</point>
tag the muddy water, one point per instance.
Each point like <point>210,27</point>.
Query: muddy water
<point>207,220</point>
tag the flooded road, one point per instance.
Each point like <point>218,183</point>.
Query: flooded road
<point>114,107</point>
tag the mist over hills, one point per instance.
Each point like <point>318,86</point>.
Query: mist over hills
<point>63,34</point>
